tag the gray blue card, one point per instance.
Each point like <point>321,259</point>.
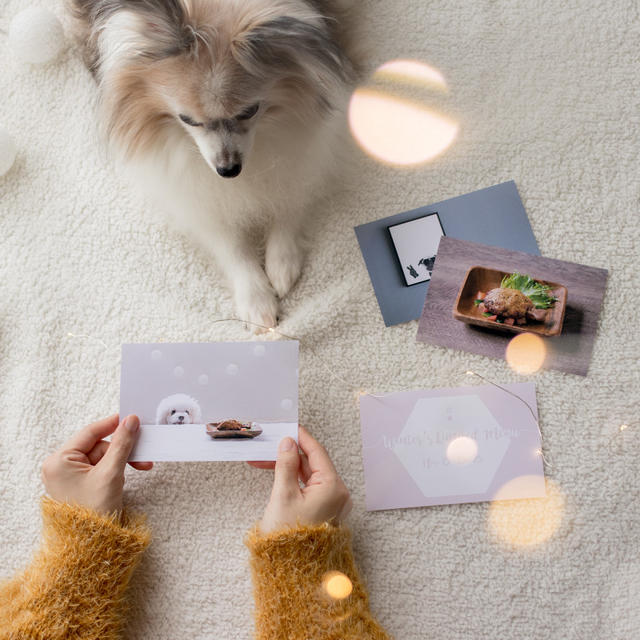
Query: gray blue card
<point>493,216</point>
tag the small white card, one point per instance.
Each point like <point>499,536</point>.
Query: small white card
<point>416,244</point>
<point>177,390</point>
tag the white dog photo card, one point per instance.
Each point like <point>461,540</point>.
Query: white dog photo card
<point>210,401</point>
<point>416,244</point>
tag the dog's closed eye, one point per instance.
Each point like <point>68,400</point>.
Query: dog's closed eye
<point>190,121</point>
<point>249,112</point>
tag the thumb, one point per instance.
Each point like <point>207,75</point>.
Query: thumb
<point>287,467</point>
<point>121,444</point>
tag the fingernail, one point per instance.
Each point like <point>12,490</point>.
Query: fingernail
<point>132,423</point>
<point>286,444</point>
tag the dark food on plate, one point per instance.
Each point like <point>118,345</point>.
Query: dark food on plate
<point>233,429</point>
<point>231,425</point>
<point>518,298</point>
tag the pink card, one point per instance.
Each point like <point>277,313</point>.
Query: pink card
<point>447,446</point>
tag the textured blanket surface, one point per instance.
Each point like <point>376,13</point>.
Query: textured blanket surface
<point>545,93</point>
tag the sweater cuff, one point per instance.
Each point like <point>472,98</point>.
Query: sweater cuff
<point>118,538</point>
<point>75,586</point>
<point>307,585</point>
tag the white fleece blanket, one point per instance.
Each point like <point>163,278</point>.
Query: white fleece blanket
<point>546,93</point>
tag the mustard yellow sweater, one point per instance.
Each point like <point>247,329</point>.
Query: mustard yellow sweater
<point>75,588</point>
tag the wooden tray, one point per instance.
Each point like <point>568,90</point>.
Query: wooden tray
<point>213,431</point>
<point>484,279</point>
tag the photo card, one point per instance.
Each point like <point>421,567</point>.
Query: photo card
<point>210,401</point>
<point>416,244</point>
<point>449,446</point>
<point>557,334</point>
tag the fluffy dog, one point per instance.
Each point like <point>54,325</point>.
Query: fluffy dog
<point>231,113</point>
<point>178,409</point>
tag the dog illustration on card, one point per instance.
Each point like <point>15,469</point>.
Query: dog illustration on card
<point>178,408</point>
<point>428,264</point>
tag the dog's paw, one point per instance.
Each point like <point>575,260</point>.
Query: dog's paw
<point>258,308</point>
<point>283,263</point>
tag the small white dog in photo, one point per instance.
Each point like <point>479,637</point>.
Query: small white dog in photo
<point>178,408</point>
<point>231,114</point>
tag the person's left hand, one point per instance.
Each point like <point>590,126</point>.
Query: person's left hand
<point>89,471</point>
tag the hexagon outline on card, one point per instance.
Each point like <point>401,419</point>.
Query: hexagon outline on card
<point>422,444</point>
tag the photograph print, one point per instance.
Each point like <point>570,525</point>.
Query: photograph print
<point>488,300</point>
<point>416,245</point>
<point>210,401</point>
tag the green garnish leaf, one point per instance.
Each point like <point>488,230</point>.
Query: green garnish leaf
<point>477,302</point>
<point>486,314</point>
<point>538,293</point>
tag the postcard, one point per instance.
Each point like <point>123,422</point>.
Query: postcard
<point>449,446</point>
<point>494,216</point>
<point>550,319</point>
<point>210,401</point>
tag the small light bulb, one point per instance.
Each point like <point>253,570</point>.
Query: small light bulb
<point>623,427</point>
<point>470,373</point>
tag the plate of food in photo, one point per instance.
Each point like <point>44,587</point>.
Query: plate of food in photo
<point>232,428</point>
<point>513,302</point>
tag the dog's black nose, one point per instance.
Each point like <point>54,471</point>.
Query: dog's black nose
<point>229,172</point>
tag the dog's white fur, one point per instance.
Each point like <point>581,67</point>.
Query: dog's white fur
<point>178,408</point>
<point>287,150</point>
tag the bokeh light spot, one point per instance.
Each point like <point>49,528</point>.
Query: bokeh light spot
<point>397,131</point>
<point>525,522</point>
<point>287,404</point>
<point>232,369</point>
<point>203,379</point>
<point>259,350</point>
<point>156,355</point>
<point>526,353</point>
<point>337,585</point>
<point>462,450</point>
<point>178,372</point>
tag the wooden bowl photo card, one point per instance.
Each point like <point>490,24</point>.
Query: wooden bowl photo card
<point>536,312</point>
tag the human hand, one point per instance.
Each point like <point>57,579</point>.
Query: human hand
<point>324,498</point>
<point>89,471</point>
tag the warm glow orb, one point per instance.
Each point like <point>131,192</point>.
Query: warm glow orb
<point>526,353</point>
<point>337,585</point>
<point>462,450</point>
<point>396,130</point>
<point>525,522</point>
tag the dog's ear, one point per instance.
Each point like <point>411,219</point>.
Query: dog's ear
<point>141,28</point>
<point>299,49</point>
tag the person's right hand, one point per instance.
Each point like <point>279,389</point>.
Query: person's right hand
<point>324,498</point>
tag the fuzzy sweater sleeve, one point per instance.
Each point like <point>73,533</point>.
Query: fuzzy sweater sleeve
<point>294,572</point>
<point>74,587</point>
